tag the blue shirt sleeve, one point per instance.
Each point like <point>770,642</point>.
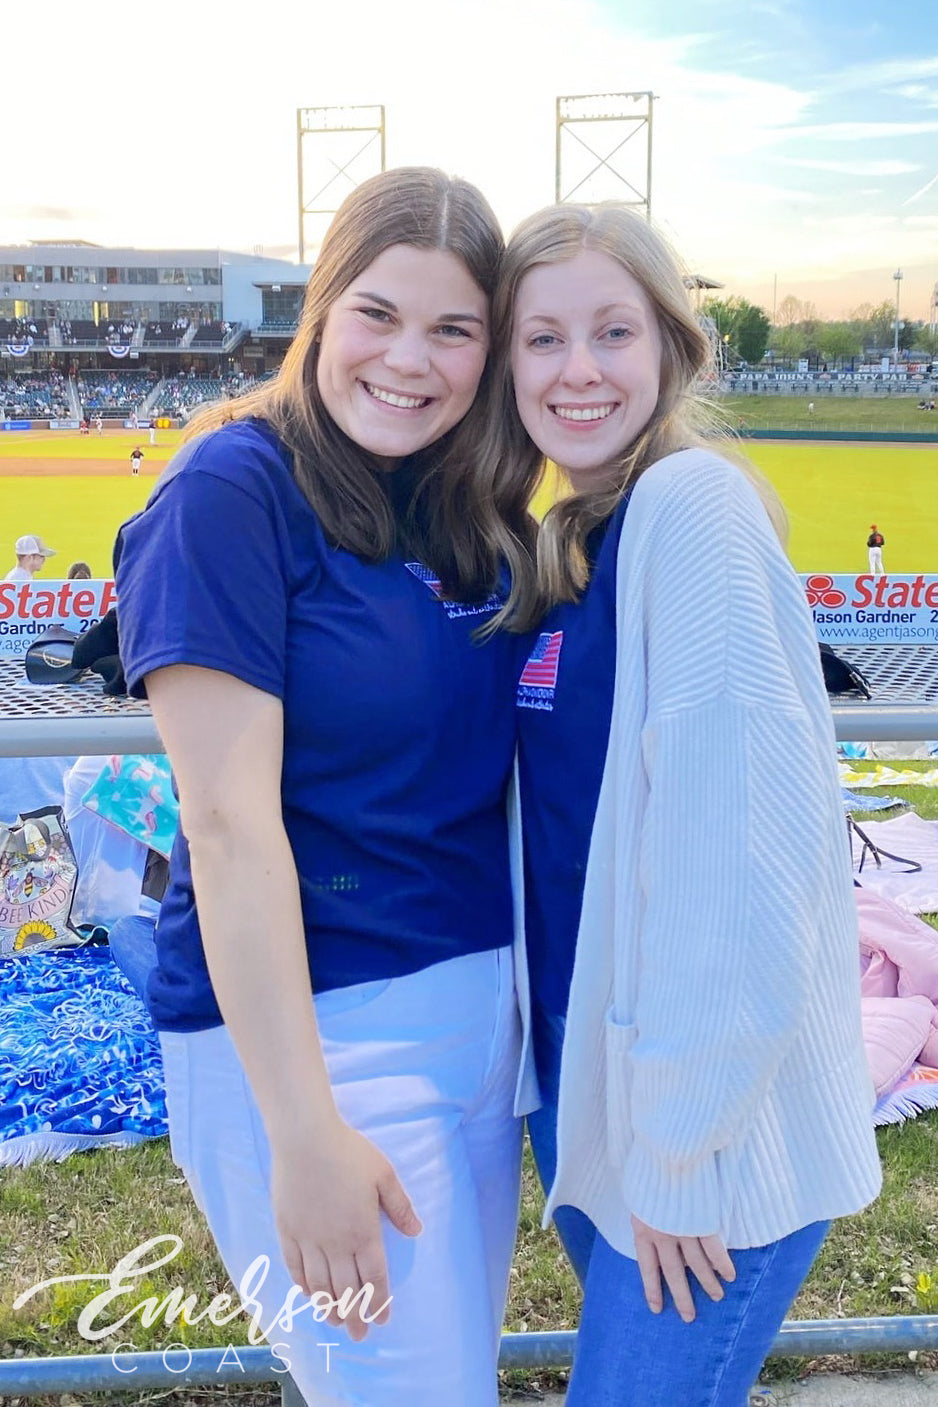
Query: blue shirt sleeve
<point>203,572</point>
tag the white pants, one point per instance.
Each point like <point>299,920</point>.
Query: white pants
<point>876,561</point>
<point>425,1066</point>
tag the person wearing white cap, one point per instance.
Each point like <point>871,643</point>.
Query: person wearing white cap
<point>31,553</point>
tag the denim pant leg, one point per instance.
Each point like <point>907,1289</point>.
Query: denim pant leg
<point>628,1357</point>
<point>132,942</point>
<point>574,1227</point>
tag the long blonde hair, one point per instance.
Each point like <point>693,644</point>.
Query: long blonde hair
<point>680,419</point>
<point>462,524</point>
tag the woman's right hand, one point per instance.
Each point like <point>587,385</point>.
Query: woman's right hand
<point>328,1194</point>
<point>662,1257</point>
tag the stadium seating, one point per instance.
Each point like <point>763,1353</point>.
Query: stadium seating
<point>213,333</point>
<point>33,395</point>
<point>114,390</point>
<point>180,396</point>
<point>160,334</point>
<point>32,332</point>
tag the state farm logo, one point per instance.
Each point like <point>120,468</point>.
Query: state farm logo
<point>821,591</point>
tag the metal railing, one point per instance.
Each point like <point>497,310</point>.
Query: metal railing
<point>178,1366</point>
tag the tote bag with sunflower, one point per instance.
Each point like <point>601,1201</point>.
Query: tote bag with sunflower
<point>38,873</point>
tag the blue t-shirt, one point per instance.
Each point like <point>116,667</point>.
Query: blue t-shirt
<point>399,729</point>
<point>564,701</point>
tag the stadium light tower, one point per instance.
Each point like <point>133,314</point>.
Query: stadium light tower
<point>898,278</point>
<point>330,142</point>
<point>621,168</point>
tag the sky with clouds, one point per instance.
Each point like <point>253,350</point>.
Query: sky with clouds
<point>794,142</point>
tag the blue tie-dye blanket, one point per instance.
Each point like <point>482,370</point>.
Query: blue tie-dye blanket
<point>80,1060</point>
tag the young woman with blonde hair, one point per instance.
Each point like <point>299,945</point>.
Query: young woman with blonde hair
<point>693,964</point>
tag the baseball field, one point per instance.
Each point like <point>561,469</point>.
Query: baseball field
<point>74,491</point>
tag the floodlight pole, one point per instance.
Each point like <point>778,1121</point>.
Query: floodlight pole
<point>628,115</point>
<point>330,125</point>
<point>898,278</point>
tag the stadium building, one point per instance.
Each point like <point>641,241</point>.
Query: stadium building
<point>86,329</point>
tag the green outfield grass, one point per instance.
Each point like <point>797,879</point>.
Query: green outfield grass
<point>832,492</point>
<point>70,448</point>
<point>831,412</point>
<point>77,515</point>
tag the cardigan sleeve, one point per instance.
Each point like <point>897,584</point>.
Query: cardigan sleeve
<point>728,945</point>
<point>732,881</point>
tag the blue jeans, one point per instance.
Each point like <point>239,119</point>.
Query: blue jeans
<point>628,1357</point>
<point>576,1231</point>
<point>133,947</point>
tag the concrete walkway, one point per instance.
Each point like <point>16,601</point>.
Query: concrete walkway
<point>894,1389</point>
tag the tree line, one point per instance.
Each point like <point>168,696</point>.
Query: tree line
<point>746,331</point>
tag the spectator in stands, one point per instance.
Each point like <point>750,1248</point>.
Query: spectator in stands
<point>361,825</point>
<point>875,543</point>
<point>31,556</point>
<point>79,571</point>
<point>714,1105</point>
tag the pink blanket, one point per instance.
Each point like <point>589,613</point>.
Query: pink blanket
<point>899,988</point>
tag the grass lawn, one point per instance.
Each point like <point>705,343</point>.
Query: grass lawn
<point>77,513</point>
<point>832,411</point>
<point>834,492</point>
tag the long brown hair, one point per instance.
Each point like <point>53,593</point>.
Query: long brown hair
<point>463,524</point>
<point>680,419</point>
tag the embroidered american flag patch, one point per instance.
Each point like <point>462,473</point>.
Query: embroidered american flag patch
<point>425,575</point>
<point>454,609</point>
<point>539,676</point>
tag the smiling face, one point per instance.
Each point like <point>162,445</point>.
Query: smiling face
<point>402,350</point>
<point>586,363</point>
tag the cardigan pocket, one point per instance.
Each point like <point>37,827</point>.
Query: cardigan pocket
<point>619,1042</point>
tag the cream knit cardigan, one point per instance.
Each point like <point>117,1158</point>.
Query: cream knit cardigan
<point>713,1076</point>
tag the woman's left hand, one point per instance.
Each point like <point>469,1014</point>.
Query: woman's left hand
<point>659,1254</point>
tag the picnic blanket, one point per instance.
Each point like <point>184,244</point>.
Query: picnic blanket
<point>914,1093</point>
<point>80,1062</point>
<point>853,801</point>
<point>899,1004</point>
<point>911,839</point>
<point>884,776</point>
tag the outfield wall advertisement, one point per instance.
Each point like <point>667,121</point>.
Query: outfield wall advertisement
<point>873,610</point>
<point>29,608</point>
